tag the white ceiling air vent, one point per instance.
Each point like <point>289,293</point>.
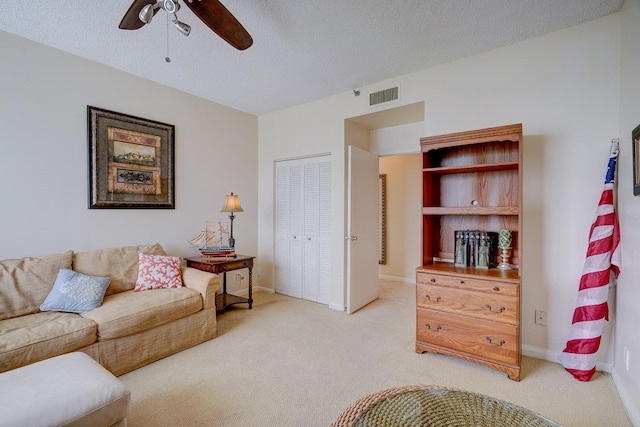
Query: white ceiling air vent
<point>386,95</point>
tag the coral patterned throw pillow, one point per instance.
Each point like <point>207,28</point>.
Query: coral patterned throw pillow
<point>158,272</point>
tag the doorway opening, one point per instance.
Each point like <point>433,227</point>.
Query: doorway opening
<point>394,136</point>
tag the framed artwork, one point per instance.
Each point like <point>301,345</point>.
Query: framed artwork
<point>131,162</point>
<point>635,138</point>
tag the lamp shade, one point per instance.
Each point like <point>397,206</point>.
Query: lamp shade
<point>232,204</point>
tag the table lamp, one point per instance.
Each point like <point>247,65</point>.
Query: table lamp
<point>232,204</point>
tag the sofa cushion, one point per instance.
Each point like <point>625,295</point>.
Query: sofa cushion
<point>119,264</point>
<point>127,313</point>
<point>26,282</point>
<point>158,272</point>
<point>34,337</point>
<point>75,292</point>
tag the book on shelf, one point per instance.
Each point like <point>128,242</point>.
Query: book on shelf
<point>475,248</point>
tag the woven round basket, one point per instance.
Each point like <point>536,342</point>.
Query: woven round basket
<point>422,406</point>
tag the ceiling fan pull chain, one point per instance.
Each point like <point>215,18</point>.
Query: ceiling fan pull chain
<point>166,58</point>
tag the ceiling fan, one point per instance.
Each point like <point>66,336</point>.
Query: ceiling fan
<point>211,12</point>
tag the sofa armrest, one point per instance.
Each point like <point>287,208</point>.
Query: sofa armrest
<point>204,282</point>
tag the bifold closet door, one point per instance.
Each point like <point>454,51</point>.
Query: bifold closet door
<point>303,228</point>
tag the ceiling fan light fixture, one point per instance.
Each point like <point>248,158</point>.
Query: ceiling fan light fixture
<point>182,27</point>
<point>146,14</point>
<point>171,6</point>
<point>211,12</point>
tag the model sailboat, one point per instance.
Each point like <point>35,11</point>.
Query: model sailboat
<point>210,242</point>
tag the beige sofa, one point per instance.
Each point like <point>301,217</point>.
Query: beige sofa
<point>130,329</point>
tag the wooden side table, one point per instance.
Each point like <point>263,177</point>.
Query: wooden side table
<point>224,299</point>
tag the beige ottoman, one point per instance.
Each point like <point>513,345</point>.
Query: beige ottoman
<point>67,390</point>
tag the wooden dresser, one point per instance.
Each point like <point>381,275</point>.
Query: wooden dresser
<point>471,181</point>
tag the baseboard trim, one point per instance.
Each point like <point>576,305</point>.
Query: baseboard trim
<point>552,356</point>
<point>633,410</point>
<point>538,353</point>
<point>411,280</point>
<point>338,307</point>
<point>245,291</point>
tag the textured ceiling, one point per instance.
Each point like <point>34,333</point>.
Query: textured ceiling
<point>303,49</point>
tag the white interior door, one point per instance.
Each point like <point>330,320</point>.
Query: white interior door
<point>296,203</point>
<point>362,228</point>
<point>317,226</point>
<point>288,241</point>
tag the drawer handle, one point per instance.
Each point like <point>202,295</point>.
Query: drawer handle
<point>436,329</point>
<point>495,288</point>
<point>502,342</point>
<point>462,282</point>
<point>437,299</point>
<point>433,280</point>
<point>494,311</point>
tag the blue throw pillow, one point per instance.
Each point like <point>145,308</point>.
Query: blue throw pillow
<point>75,292</point>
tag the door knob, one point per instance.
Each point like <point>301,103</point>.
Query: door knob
<point>352,238</point>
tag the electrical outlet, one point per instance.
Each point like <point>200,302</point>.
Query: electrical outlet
<point>541,318</point>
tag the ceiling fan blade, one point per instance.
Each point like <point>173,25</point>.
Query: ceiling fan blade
<point>222,22</point>
<point>130,20</point>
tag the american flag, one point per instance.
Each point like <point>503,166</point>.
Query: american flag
<point>603,259</point>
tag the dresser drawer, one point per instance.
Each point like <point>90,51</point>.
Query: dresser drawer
<point>498,308</point>
<point>482,338</point>
<point>469,284</point>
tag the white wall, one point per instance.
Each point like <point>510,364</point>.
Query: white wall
<point>627,291</point>
<point>400,139</point>
<point>562,87</point>
<point>44,157</point>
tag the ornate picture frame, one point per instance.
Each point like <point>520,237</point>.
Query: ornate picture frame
<point>635,140</point>
<point>131,161</point>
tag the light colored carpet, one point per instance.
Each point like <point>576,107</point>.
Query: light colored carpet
<point>291,362</point>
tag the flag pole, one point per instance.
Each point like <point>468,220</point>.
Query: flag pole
<point>615,150</point>
<point>615,146</point>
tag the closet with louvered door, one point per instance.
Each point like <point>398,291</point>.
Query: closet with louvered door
<point>303,228</point>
